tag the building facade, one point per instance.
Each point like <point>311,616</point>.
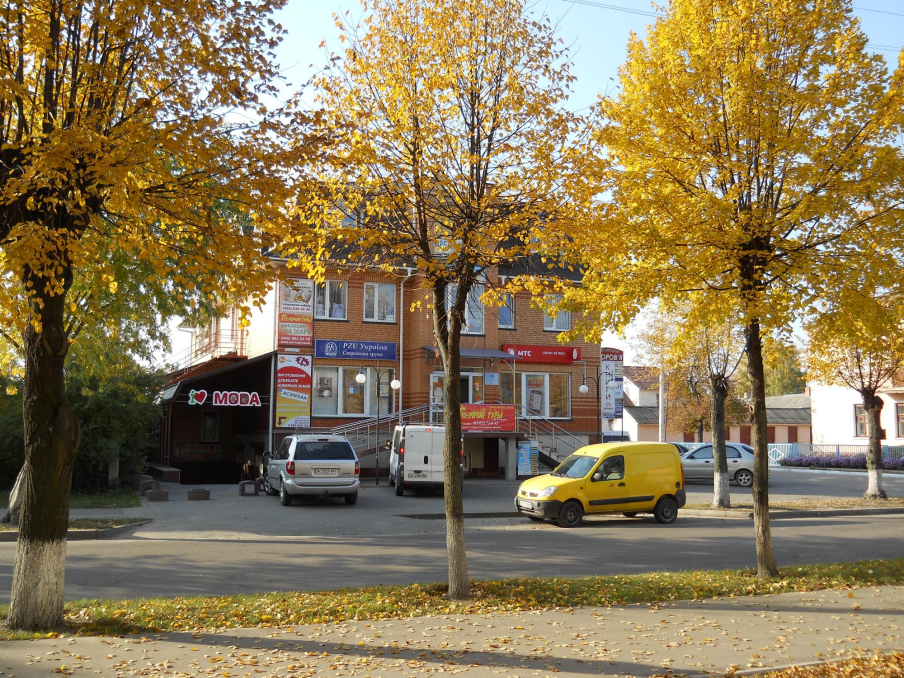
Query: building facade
<point>326,357</point>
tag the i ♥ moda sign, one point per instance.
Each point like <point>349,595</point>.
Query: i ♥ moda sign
<point>196,397</point>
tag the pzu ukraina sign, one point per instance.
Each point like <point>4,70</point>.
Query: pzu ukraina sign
<point>355,350</point>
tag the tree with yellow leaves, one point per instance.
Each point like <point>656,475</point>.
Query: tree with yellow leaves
<point>456,144</point>
<point>125,127</point>
<point>750,152</point>
<point>858,342</point>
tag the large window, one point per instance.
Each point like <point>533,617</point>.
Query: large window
<point>507,312</point>
<point>337,393</point>
<point>379,302</point>
<point>860,421</point>
<point>548,395</point>
<point>331,300</point>
<point>557,322</point>
<point>899,411</point>
<point>474,315</point>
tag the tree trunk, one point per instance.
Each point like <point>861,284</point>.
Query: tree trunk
<point>449,342</point>
<point>700,430</point>
<point>721,495</point>
<point>872,403</point>
<point>766,565</point>
<point>52,435</point>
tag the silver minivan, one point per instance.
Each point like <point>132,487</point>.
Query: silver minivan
<point>311,465</point>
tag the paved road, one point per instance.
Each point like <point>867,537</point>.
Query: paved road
<point>250,544</point>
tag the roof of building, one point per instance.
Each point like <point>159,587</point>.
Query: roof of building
<point>644,415</point>
<point>643,377</point>
<point>792,400</point>
<point>792,416</point>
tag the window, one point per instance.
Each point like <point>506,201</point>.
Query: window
<point>379,302</point>
<point>320,450</point>
<point>473,320</point>
<point>860,421</point>
<point>613,468</point>
<point>507,312</point>
<point>283,451</point>
<point>210,427</point>
<point>557,322</point>
<point>732,453</point>
<point>331,300</point>
<point>899,411</point>
<point>548,395</point>
<point>337,393</point>
<point>703,453</point>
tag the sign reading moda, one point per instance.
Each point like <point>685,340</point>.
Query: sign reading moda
<point>564,355</point>
<point>293,391</point>
<point>227,398</point>
<point>355,350</point>
<point>295,326</point>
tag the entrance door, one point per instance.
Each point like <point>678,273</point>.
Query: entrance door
<point>437,398</point>
<point>471,392</point>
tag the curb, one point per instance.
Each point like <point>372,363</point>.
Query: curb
<point>80,535</point>
<point>791,514</point>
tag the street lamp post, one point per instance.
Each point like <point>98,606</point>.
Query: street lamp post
<point>583,388</point>
<point>395,384</point>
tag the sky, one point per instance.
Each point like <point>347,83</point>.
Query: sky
<point>596,32</point>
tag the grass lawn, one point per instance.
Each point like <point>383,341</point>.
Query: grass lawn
<point>111,617</point>
<point>816,504</point>
<point>121,499</point>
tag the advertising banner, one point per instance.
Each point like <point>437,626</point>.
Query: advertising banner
<point>564,355</point>
<point>528,459</point>
<point>355,350</point>
<point>611,374</point>
<point>295,324</point>
<point>293,391</point>
<point>489,418</point>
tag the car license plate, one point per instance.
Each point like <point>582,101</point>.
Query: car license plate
<point>325,472</point>
<point>417,475</point>
<point>524,504</point>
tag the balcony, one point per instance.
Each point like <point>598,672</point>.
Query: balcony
<point>223,343</point>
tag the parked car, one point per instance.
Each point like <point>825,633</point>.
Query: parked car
<point>416,457</point>
<point>698,463</point>
<point>627,478</point>
<point>310,465</point>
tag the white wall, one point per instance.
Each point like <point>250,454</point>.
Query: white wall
<point>261,338</point>
<point>833,415</point>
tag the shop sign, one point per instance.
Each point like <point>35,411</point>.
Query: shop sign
<point>611,374</point>
<point>293,391</point>
<point>488,418</point>
<point>295,325</point>
<point>564,355</point>
<point>196,452</point>
<point>227,398</point>
<point>355,350</point>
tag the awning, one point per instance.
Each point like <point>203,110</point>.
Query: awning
<point>170,393</point>
<point>479,353</point>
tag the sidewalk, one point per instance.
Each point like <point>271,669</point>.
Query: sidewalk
<point>685,637</point>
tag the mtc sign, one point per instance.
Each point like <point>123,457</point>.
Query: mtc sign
<point>543,354</point>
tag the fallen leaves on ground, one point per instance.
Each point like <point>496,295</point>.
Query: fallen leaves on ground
<point>873,666</point>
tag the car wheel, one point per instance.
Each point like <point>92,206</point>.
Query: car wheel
<point>744,478</point>
<point>284,497</point>
<point>268,488</point>
<point>630,514</point>
<point>399,488</point>
<point>571,514</point>
<point>351,499</point>
<point>666,511</point>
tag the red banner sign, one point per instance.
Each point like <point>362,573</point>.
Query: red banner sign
<point>488,418</point>
<point>543,354</point>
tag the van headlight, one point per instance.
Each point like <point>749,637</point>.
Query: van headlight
<point>547,492</point>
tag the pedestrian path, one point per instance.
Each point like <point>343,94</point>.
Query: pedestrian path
<point>684,637</point>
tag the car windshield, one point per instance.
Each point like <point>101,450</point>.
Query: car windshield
<point>576,466</point>
<point>320,449</point>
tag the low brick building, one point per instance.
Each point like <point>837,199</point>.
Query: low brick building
<point>296,367</point>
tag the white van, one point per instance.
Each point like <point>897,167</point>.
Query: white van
<point>416,457</point>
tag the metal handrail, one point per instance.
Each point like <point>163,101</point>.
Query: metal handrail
<point>220,343</point>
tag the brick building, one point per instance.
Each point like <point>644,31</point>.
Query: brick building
<point>296,367</point>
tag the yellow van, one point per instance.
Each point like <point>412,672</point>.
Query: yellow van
<point>627,478</point>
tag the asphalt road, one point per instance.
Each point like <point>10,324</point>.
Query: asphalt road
<point>252,544</point>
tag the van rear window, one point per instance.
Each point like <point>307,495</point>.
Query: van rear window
<point>319,450</point>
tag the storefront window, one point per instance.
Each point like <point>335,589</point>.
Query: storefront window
<point>337,392</point>
<point>548,395</point>
<point>379,302</point>
<point>331,300</point>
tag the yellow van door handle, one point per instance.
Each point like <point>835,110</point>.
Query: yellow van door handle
<point>621,484</point>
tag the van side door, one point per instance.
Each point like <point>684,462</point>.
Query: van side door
<point>437,463</point>
<point>606,488</point>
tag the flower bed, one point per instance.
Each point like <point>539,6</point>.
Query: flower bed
<point>858,461</point>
